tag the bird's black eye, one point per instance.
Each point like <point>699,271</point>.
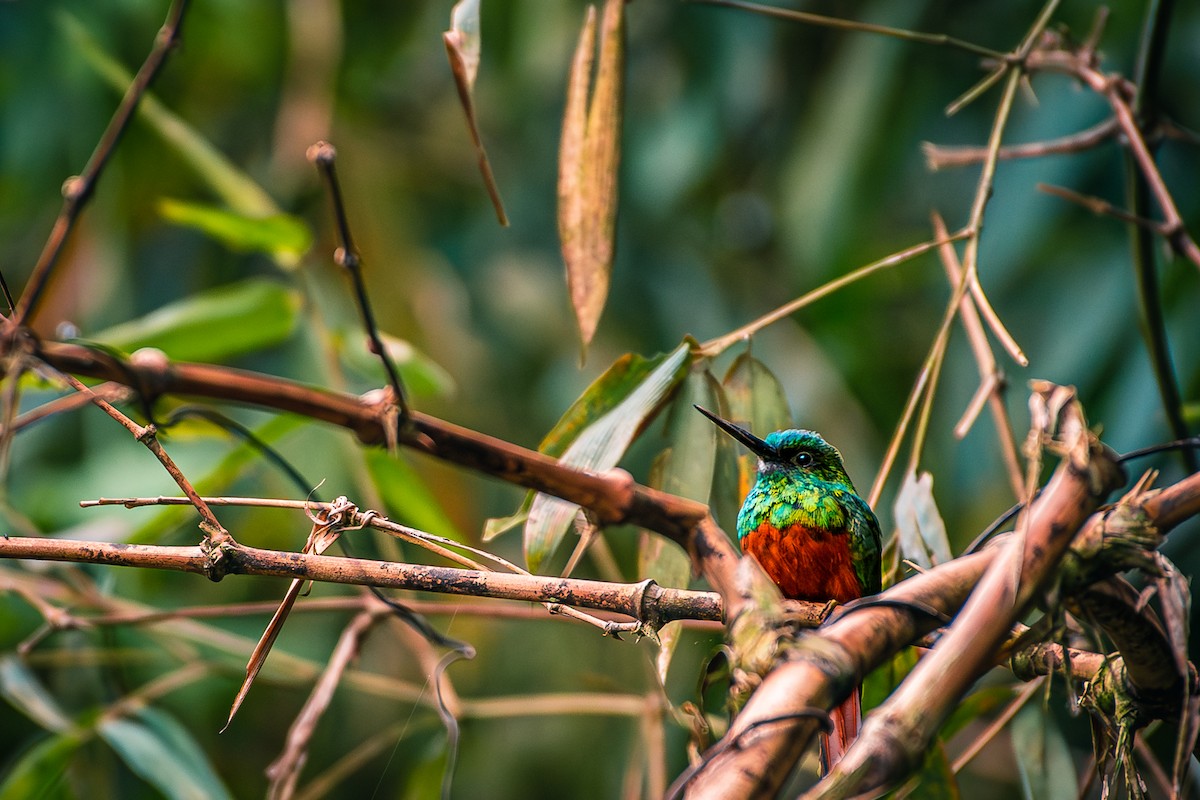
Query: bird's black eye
<point>803,459</point>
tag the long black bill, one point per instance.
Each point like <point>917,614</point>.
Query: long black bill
<point>755,444</point>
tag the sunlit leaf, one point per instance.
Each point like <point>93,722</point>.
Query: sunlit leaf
<point>40,772</point>
<point>407,497</point>
<point>463,45</point>
<point>25,692</point>
<point>281,235</point>
<point>597,448</point>
<point>921,529</point>
<point>589,154</point>
<point>1043,757</point>
<point>604,394</point>
<point>213,325</point>
<point>164,754</point>
<point>684,468</point>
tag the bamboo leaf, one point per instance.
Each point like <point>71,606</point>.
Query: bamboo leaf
<point>599,447</point>
<point>214,325</point>
<point>40,772</point>
<point>757,402</point>
<point>25,692</point>
<point>921,530</point>
<point>685,468</point>
<point>283,236</point>
<point>463,45</point>
<point>589,154</point>
<point>1043,758</point>
<point>406,496</point>
<point>163,753</point>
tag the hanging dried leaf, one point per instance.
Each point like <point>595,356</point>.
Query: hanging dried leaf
<point>463,44</point>
<point>328,525</point>
<point>589,154</point>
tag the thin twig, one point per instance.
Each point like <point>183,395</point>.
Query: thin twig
<point>323,155</point>
<point>215,534</point>
<point>989,372</point>
<point>717,346</point>
<point>1102,208</point>
<point>1027,691</point>
<point>938,39</point>
<point>285,769</point>
<point>78,190</point>
<point>939,157</point>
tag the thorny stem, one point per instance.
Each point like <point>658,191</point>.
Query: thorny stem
<point>215,534</point>
<point>324,155</point>
<point>78,190</point>
<point>939,157</point>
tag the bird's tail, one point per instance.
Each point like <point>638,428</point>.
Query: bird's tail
<point>847,719</point>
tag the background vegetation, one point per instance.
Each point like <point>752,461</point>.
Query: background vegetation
<point>761,158</point>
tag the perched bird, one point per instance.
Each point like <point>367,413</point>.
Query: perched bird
<point>812,534</point>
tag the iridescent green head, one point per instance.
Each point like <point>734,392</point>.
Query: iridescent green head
<point>792,453</point>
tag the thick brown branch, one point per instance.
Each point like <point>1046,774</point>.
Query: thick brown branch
<point>613,497</point>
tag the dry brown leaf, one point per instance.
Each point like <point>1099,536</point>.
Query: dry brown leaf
<point>589,155</point>
<point>328,525</point>
<point>463,45</point>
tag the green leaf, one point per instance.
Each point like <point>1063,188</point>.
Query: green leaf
<point>599,447</point>
<point>920,527</point>
<point>406,496</point>
<point>155,746</point>
<point>685,468</point>
<point>936,780</point>
<point>422,375</point>
<point>25,692</point>
<point>754,399</point>
<point>280,235</point>
<point>39,773</point>
<point>214,325</point>
<point>603,395</point>
<point>1043,757</point>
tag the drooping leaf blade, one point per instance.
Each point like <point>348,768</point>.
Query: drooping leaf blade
<point>20,687</point>
<point>463,46</point>
<point>281,235</point>
<point>757,402</point>
<point>163,753</point>
<point>40,772</point>
<point>599,447</point>
<point>589,154</point>
<point>1043,757</point>
<point>213,325</point>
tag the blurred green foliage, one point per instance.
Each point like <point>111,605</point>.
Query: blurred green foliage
<point>760,159</point>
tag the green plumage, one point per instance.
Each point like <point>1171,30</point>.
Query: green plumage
<point>802,489</point>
